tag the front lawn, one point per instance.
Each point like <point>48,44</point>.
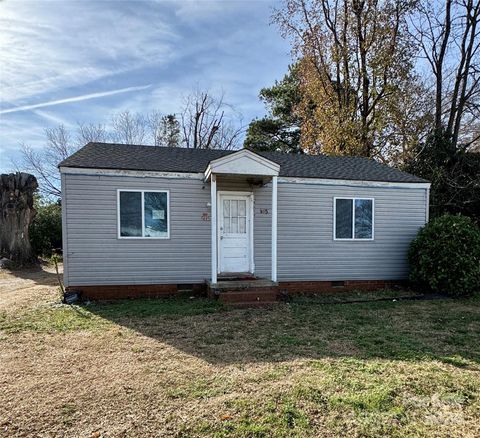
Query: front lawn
<point>191,367</point>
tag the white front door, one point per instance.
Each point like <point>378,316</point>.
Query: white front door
<point>235,232</point>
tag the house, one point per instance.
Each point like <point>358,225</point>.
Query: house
<point>149,221</point>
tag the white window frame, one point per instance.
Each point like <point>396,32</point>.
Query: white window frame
<point>353,238</point>
<point>143,191</point>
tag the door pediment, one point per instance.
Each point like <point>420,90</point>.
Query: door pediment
<point>243,162</point>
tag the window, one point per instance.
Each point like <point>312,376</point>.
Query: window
<point>235,216</point>
<point>143,214</point>
<point>353,219</point>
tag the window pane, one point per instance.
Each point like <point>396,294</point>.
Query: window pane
<point>226,215</point>
<point>234,207</point>
<point>242,225</point>
<point>156,221</point>
<point>234,225</point>
<point>226,225</point>
<point>131,214</point>
<point>242,207</point>
<point>226,208</point>
<point>343,218</point>
<point>363,218</point>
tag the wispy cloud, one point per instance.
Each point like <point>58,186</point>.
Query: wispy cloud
<point>101,52</point>
<point>43,52</point>
<point>74,99</point>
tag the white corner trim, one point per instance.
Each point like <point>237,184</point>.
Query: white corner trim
<point>213,220</point>
<point>352,183</point>
<point>274,229</point>
<point>427,205</point>
<point>133,173</point>
<point>64,231</point>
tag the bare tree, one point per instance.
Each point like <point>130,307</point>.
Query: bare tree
<point>91,132</point>
<point>59,145</point>
<point>449,37</point>
<point>129,128</point>
<point>208,122</point>
<point>43,162</point>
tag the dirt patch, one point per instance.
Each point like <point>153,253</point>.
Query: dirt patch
<point>27,287</point>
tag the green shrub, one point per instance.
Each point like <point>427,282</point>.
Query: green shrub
<point>46,229</point>
<point>445,256</point>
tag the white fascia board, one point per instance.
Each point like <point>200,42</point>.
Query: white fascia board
<point>208,172</point>
<point>354,183</point>
<point>134,173</point>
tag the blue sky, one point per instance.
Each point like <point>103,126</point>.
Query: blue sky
<point>81,61</point>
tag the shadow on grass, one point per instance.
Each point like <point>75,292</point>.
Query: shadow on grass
<point>445,330</point>
<point>41,273</point>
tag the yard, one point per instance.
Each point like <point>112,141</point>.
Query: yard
<point>190,367</point>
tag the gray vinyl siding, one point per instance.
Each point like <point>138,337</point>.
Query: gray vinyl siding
<point>95,255</point>
<point>305,245</point>
<point>306,249</point>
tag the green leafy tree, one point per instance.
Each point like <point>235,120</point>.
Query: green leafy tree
<point>46,229</point>
<point>280,129</point>
<point>355,59</point>
<point>165,129</point>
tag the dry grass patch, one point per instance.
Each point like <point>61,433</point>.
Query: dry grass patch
<point>181,367</point>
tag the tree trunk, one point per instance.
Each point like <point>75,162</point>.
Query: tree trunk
<point>16,215</point>
<point>438,65</point>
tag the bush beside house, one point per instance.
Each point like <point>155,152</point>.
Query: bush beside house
<point>445,256</point>
<point>46,229</point>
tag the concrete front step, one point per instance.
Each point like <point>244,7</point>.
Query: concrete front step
<point>223,286</point>
<point>259,291</point>
<point>236,276</point>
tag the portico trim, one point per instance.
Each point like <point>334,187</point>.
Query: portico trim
<point>241,163</point>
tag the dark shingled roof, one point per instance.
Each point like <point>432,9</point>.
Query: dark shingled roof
<point>163,159</point>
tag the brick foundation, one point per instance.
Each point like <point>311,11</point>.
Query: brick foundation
<point>112,292</point>
<point>313,287</point>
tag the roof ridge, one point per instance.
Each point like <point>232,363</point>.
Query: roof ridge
<point>237,150</point>
<point>100,143</point>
